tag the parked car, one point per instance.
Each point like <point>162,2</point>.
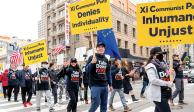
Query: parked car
<point>191,76</point>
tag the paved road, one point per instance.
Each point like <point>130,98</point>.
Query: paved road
<point>142,106</point>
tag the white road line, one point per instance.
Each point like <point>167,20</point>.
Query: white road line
<point>149,109</point>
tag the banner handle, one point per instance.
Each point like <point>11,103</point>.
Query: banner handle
<point>92,40</point>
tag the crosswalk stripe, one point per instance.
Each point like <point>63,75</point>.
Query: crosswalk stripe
<point>149,109</point>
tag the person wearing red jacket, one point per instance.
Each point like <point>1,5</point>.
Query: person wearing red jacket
<point>4,80</point>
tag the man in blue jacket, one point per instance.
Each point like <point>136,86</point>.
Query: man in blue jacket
<point>100,78</point>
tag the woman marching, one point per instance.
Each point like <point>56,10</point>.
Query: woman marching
<point>73,78</point>
<point>117,84</point>
<point>128,73</point>
<point>159,87</point>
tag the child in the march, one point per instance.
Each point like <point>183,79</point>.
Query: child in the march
<point>43,86</point>
<point>117,84</point>
<point>4,80</point>
<point>73,78</point>
<point>13,82</point>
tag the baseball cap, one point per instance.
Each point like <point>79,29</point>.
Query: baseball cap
<point>156,50</point>
<point>73,60</point>
<point>100,44</point>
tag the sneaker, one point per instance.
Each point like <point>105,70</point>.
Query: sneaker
<point>111,108</point>
<point>51,110</point>
<point>16,101</point>
<point>171,102</point>
<point>126,109</point>
<point>29,103</point>
<point>25,104</point>
<point>81,99</point>
<point>142,96</point>
<point>86,101</point>
<point>38,109</point>
<point>9,99</point>
<point>182,103</point>
<point>135,100</point>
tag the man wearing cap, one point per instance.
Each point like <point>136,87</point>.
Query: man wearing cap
<point>179,84</point>
<point>25,79</point>
<point>100,77</point>
<point>43,86</point>
<point>159,87</point>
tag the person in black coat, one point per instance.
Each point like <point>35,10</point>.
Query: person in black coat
<point>13,82</point>
<point>25,79</point>
<point>86,84</point>
<point>73,78</point>
<point>54,81</point>
<point>126,82</point>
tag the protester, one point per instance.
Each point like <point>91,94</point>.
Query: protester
<point>100,77</point>
<point>73,78</point>
<point>54,81</point>
<point>117,84</point>
<point>179,83</point>
<point>43,86</point>
<point>159,88</point>
<point>4,80</point>
<point>25,80</point>
<point>81,89</point>
<point>128,72</point>
<point>145,80</point>
<point>63,80</point>
<point>86,84</point>
<point>13,82</point>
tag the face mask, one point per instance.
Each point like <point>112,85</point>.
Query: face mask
<point>160,57</point>
<point>45,66</point>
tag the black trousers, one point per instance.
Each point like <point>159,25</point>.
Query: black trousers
<point>54,92</point>
<point>86,91</point>
<point>16,91</point>
<point>162,106</point>
<point>5,89</point>
<point>26,91</point>
<point>72,106</point>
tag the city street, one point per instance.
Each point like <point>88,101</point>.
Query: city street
<point>142,106</point>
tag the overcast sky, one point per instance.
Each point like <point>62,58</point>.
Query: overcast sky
<point>20,18</point>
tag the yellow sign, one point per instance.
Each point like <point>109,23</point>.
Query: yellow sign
<point>35,52</point>
<point>165,23</point>
<point>90,15</point>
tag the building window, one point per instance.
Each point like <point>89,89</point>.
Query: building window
<point>48,6</point>
<point>118,26</point>
<point>123,6</point>
<point>54,15</point>
<point>141,50</point>
<point>90,44</point>
<point>119,3</point>
<point>60,40</point>
<point>49,44</point>
<point>61,13</point>
<point>134,48</point>
<point>147,51</point>
<point>134,32</point>
<point>48,19</point>
<point>54,41</point>
<point>125,28</point>
<point>60,27</point>
<point>126,44</point>
<point>54,28</point>
<point>48,32</point>
<point>119,42</point>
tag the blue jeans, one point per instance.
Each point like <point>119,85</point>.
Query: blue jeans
<point>99,97</point>
<point>145,83</point>
<point>121,94</point>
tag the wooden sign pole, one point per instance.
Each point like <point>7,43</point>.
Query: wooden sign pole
<point>92,40</point>
<point>171,63</point>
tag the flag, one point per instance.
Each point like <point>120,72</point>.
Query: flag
<point>15,57</point>
<point>108,38</point>
<point>58,49</point>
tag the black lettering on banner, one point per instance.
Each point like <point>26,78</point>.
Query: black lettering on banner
<point>100,1</point>
<point>155,32</point>
<point>144,9</point>
<point>34,57</point>
<point>88,13</point>
<point>189,5</point>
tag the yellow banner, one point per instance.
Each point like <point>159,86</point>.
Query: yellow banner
<point>90,15</point>
<point>1,66</point>
<point>35,52</point>
<point>165,23</point>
